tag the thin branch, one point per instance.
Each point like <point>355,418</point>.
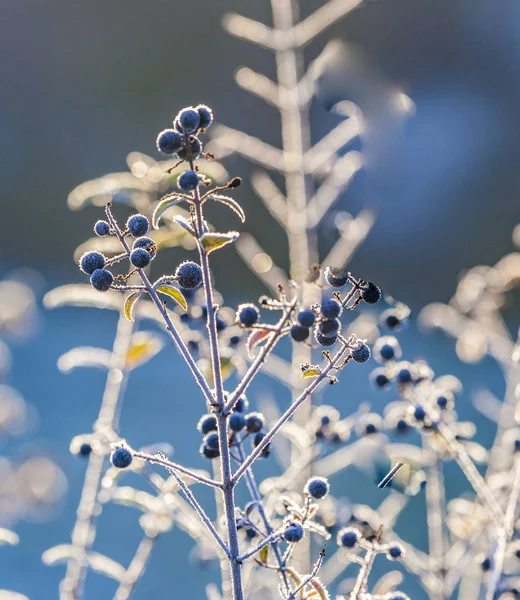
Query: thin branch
<point>309,577</point>
<point>320,155</point>
<point>271,196</point>
<point>259,85</point>
<point>250,30</point>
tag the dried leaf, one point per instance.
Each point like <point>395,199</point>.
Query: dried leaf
<point>165,203</point>
<point>311,372</point>
<point>130,301</point>
<point>213,241</point>
<point>143,346</point>
<point>84,356</point>
<point>230,203</point>
<point>256,338</point>
<point>169,290</point>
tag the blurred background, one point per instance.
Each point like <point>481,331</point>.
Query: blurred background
<point>86,83</point>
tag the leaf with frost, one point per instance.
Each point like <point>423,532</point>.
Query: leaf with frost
<point>311,372</point>
<point>144,345</point>
<point>213,241</point>
<point>165,203</point>
<point>130,302</point>
<point>256,338</point>
<point>184,223</point>
<point>84,356</point>
<point>173,292</point>
<point>8,537</point>
<point>230,203</point>
<point>84,295</point>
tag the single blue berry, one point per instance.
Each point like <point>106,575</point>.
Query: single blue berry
<point>237,421</point>
<point>323,340</point>
<point>85,449</point>
<point>371,294</point>
<point>370,428</point>
<point>442,402</point>
<point>220,323</point>
<point>486,564</point>
<point>360,353</point>
<point>401,426</point>
<point>299,333</point>
<point>390,319</point>
<point>211,441</point>
<point>348,538</point>
<point>419,413</point>
<point>293,532</point>
<point>259,436</point>
<point>101,228</point>
<point>395,551</point>
<point>137,225</point>
<point>147,244</point>
<point>404,375</point>
<point>189,119</point>
<point>140,258</point>
<point>387,352</point>
<point>234,340</point>
<point>188,180</point>
<point>329,327</point>
<point>336,277</point>
<point>331,309</point>
<point>379,378</point>
<point>208,452</point>
<point>169,141</point>
<point>247,314</point>
<point>250,533</point>
<point>317,487</point>
<point>517,445</point>
<point>254,422</point>
<point>121,457</point>
<point>90,261</point>
<point>205,115</point>
<point>207,423</point>
<point>241,404</point>
<point>101,280</point>
<point>193,346</point>
<point>189,275</point>
<point>306,318</point>
<point>191,149</point>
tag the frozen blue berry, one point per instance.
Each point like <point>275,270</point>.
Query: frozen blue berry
<point>208,452</point>
<point>419,413</point>
<point>404,375</point>
<point>486,565</point>
<point>188,180</point>
<point>395,551</point>
<point>331,309</point>
<point>257,440</point>
<point>234,340</point>
<point>241,404</point>
<point>207,423</point>
<point>348,538</point>
<point>189,119</point>
<point>324,340</point>
<point>189,275</point>
<point>329,327</point>
<point>371,294</point>
<point>360,353</point>
<point>299,333</point>
<point>169,141</point>
<point>293,532</point>
<point>140,258</point>
<point>90,261</point>
<point>137,225</point>
<point>317,487</point>
<point>306,318</point>
<point>442,401</point>
<point>237,421</point>
<point>387,352</point>
<point>390,319</point>
<point>211,441</point>
<point>254,422</point>
<point>121,457</point>
<point>190,149</point>
<point>336,277</point>
<point>193,346</point>
<point>370,428</point>
<point>85,449</point>
<point>379,378</point>
<point>402,426</point>
<point>247,314</point>
<point>101,280</point>
<point>101,228</point>
<point>147,244</point>
<point>205,115</point>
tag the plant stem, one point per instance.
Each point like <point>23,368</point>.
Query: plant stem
<point>176,467</point>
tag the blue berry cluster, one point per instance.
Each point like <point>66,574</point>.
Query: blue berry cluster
<point>182,140</point>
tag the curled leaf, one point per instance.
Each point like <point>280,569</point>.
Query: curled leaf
<point>143,346</point>
<point>213,241</point>
<point>165,203</point>
<point>173,292</point>
<point>257,337</point>
<point>130,301</point>
<point>184,223</point>
<point>230,203</point>
<point>311,372</point>
<point>84,356</point>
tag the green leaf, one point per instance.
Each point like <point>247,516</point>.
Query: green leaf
<point>130,301</point>
<point>213,241</point>
<point>166,203</point>
<point>169,290</point>
<point>232,204</point>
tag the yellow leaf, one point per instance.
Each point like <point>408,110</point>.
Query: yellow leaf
<point>143,346</point>
<point>311,372</point>
<point>169,290</point>
<point>130,301</point>
<point>263,554</point>
<point>213,241</point>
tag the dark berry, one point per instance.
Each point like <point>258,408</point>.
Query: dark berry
<point>419,413</point>
<point>251,533</point>
<point>101,280</point>
<point>387,352</point>
<point>390,319</point>
<point>211,441</point>
<point>90,261</point>
<point>299,333</point>
<point>486,564</point>
<point>121,457</point>
<point>188,180</point>
<point>193,346</point>
<point>306,318</point>
<point>360,353</point>
<point>442,402</point>
<point>189,275</point>
<point>371,294</point>
<point>395,551</point>
<point>329,327</point>
<point>137,225</point>
<point>237,421</point>
<point>220,324</point>
<point>324,341</point>
<point>242,404</point>
<point>205,115</point>
<point>234,340</point>
<point>404,376</point>
<point>190,149</point>
<point>331,309</point>
<point>247,314</point>
<point>336,277</point>
<point>293,532</point>
<point>148,244</point>
<point>101,228</point>
<point>140,258</point>
<point>254,422</point>
<point>402,426</point>
<point>259,436</point>
<point>370,428</point>
<point>207,423</point>
<point>379,378</point>
<point>189,120</point>
<point>85,449</point>
<point>348,538</point>
<point>169,141</point>
<point>317,487</point>
<point>209,452</point>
